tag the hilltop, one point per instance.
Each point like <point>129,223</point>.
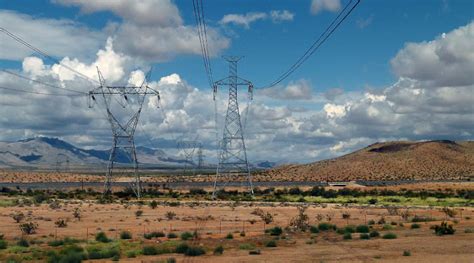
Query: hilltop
<point>402,160</point>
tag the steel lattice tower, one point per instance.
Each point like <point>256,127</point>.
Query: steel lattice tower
<point>233,154</point>
<point>123,132</point>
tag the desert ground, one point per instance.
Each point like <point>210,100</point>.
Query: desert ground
<point>215,221</point>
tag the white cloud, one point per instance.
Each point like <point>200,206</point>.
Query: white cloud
<point>318,6</point>
<point>297,90</point>
<point>335,111</point>
<point>151,30</point>
<point>59,38</point>
<point>276,16</point>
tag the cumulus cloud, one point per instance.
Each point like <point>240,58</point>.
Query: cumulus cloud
<point>297,90</point>
<point>57,37</point>
<point>318,6</point>
<point>276,16</point>
<point>152,30</point>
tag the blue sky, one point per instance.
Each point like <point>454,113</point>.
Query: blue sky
<point>382,52</point>
<point>353,58</point>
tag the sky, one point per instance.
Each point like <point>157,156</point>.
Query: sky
<point>394,70</point>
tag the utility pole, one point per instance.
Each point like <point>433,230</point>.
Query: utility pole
<point>233,154</point>
<point>123,131</point>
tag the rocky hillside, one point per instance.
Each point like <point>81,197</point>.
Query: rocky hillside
<point>429,160</point>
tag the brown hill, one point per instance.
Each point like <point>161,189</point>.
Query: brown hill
<point>430,160</point>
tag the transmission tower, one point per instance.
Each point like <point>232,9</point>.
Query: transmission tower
<point>123,131</point>
<point>187,149</point>
<point>200,157</point>
<point>233,155</point>
<point>62,163</point>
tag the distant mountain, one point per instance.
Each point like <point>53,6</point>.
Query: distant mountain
<point>404,160</point>
<point>47,152</point>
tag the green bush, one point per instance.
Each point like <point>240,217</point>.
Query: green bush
<point>374,233</point>
<point>102,237</point>
<point>219,250</point>
<point>364,236</point>
<point>56,243</point>
<point>389,236</point>
<point>125,235</point>
<point>347,236</point>
<point>229,236</point>
<point>186,235</point>
<point>362,229</point>
<point>154,234</point>
<point>172,235</point>
<point>387,227</point>
<point>413,226</point>
<point>271,243</point>
<point>23,243</point>
<point>371,222</point>
<point>194,251</point>
<point>349,229</point>
<point>314,229</point>
<point>181,248</point>
<point>275,231</point>
<point>150,250</point>
<point>131,254</point>
<point>100,253</point>
<point>444,229</point>
<point>254,252</point>
<point>406,253</point>
<point>341,231</point>
<point>69,254</point>
<point>326,227</point>
<point>3,244</point>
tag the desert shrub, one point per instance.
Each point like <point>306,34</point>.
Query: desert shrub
<point>18,217</point>
<point>131,254</point>
<point>387,227</point>
<point>374,233</point>
<point>125,235</point>
<point>393,223</point>
<point>469,230</point>
<point>70,254</point>
<point>229,236</point>
<point>102,237</point>
<point>449,212</point>
<point>40,198</point>
<point>172,235</point>
<point>153,204</point>
<point>181,248</point>
<point>219,250</point>
<point>444,229</point>
<point>275,231</point>
<point>138,213</point>
<point>54,204</point>
<point>254,252</point>
<point>154,234</point>
<point>242,234</point>
<point>170,260</point>
<point>314,229</point>
<point>100,253</point>
<point>301,221</point>
<point>371,222</point>
<point>194,251</point>
<point>362,229</point>
<point>340,231</point>
<point>23,243</point>
<point>186,235</point>
<point>414,225</point>
<point>271,243</point>
<point>3,244</point>
<point>326,227</point>
<point>28,228</point>
<point>349,229</point>
<point>347,236</point>
<point>389,236</point>
<point>406,253</point>
<point>150,250</point>
<point>197,191</point>
<point>417,219</point>
<point>170,215</point>
<point>364,236</point>
<point>372,201</point>
<point>56,243</point>
<point>77,213</point>
<point>61,222</point>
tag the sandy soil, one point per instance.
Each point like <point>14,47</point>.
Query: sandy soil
<point>225,217</point>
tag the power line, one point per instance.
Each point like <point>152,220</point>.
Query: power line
<point>202,34</point>
<point>316,44</point>
<point>40,93</point>
<point>44,54</point>
<point>41,82</point>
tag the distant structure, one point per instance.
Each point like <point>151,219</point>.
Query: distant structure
<point>187,148</point>
<point>123,131</point>
<point>233,154</point>
<point>200,157</point>
<point>62,163</point>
